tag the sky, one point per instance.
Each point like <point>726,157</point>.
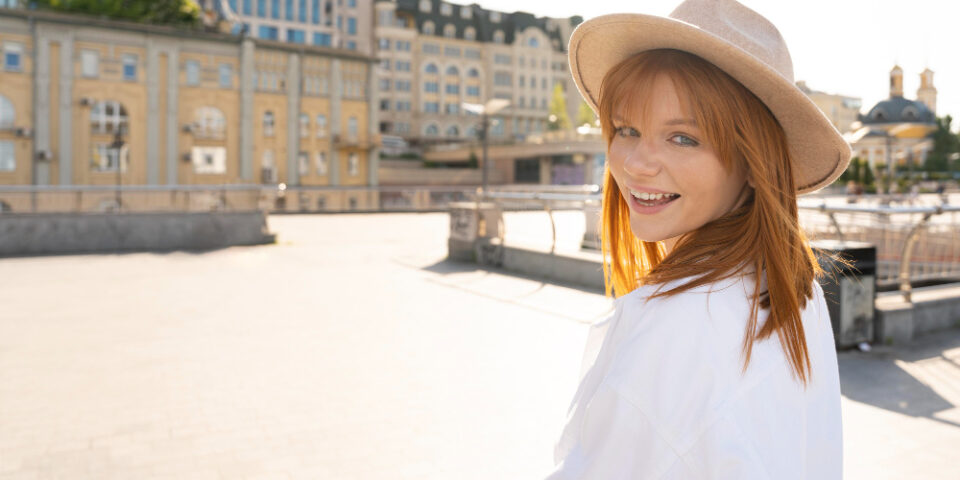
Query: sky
<point>845,47</point>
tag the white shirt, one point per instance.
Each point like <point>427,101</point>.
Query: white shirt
<point>662,397</point>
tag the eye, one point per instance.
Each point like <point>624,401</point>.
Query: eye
<point>626,132</point>
<point>685,141</point>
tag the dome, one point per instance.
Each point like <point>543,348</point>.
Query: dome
<point>898,110</point>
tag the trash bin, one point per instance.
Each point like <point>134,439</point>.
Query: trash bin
<point>850,291</point>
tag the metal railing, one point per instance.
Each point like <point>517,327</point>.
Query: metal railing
<point>128,198</point>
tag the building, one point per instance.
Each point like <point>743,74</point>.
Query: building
<point>325,23</point>
<point>435,56</point>
<point>842,110</point>
<point>896,131</point>
<point>190,107</point>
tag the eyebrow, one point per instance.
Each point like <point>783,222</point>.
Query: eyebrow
<point>674,121</point>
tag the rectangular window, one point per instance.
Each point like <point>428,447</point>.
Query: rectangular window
<point>452,108</point>
<point>502,78</point>
<point>432,87</point>
<point>384,84</point>
<point>431,107</point>
<point>453,89</point>
<point>403,66</point>
<point>385,63</point>
<point>351,45</point>
<point>90,63</point>
<point>296,36</point>
<point>315,12</point>
<point>473,91</point>
<point>471,53</point>
<point>209,159</point>
<point>267,32</point>
<point>403,45</point>
<point>501,59</point>
<point>451,51</point>
<point>288,10</point>
<point>193,72</point>
<point>353,164</point>
<point>106,158</point>
<point>351,25</point>
<point>321,126</point>
<point>247,7</point>
<point>303,163</point>
<point>302,11</point>
<point>384,105</point>
<point>321,160</point>
<point>322,39</point>
<point>351,3</point>
<point>262,8</point>
<point>431,48</point>
<point>129,66</point>
<point>352,127</point>
<point>275,9</point>
<point>12,57</point>
<point>402,85</point>
<point>226,75</point>
<point>384,44</point>
<point>8,162</point>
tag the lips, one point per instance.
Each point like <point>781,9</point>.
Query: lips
<point>653,199</point>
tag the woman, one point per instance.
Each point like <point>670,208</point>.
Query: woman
<point>719,359</point>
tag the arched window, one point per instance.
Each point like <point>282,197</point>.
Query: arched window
<point>449,30</point>
<point>453,70</point>
<point>879,116</point>
<point>268,123</point>
<point>425,6</point>
<point>431,130</point>
<point>469,33</point>
<point>533,42</point>
<point>453,131</point>
<point>431,68</point>
<point>106,116</point>
<point>209,122</point>
<point>7,114</point>
<point>498,36</point>
<point>473,73</point>
<point>910,113</point>
<point>428,28</point>
<point>304,125</point>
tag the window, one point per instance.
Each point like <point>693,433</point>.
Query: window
<point>351,3</point>
<point>352,127</point>
<point>226,75</point>
<point>385,63</point>
<point>403,106</point>
<point>8,162</point>
<point>268,172</point>
<point>7,114</point>
<point>431,68</point>
<point>403,45</point>
<point>106,158</point>
<point>193,72</point>
<point>446,9</point>
<point>403,66</point>
<point>470,33</point>
<point>90,63</point>
<point>452,70</point>
<point>501,59</point>
<point>248,7</point>
<point>107,117</point>
<point>384,105</point>
<point>275,9</point>
<point>268,122</point>
<point>296,36</point>
<point>473,91</point>
<point>322,39</point>
<point>451,108</point>
<point>431,130</point>
<point>303,163</point>
<point>452,89</point>
<point>502,79</point>
<point>351,45</point>
<point>304,125</point>
<point>498,36</point>
<point>384,84</point>
<point>12,55</point>
<point>288,11</point>
<point>267,32</point>
<point>320,158</point>
<point>402,85</point>
<point>353,164</point>
<point>522,61</point>
<point>262,8</point>
<point>533,42</point>
<point>209,159</point>
<point>453,131</point>
<point>473,73</point>
<point>315,12</point>
<point>351,25</point>
<point>208,123</point>
<point>533,81</point>
<point>521,103</point>
<point>543,83</point>
<point>449,30</point>
<point>431,107</point>
<point>384,44</point>
<point>431,87</point>
<point>543,103</point>
<point>321,126</point>
<point>425,6</point>
<point>302,11</point>
<point>431,48</point>
<point>451,51</point>
<point>466,12</point>
<point>427,28</point>
<point>471,53</point>
<point>495,17</point>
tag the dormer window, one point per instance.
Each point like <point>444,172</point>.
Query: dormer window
<point>428,28</point>
<point>446,9</point>
<point>466,12</point>
<point>449,30</point>
<point>879,116</point>
<point>498,36</point>
<point>495,17</point>
<point>533,42</point>
<point>426,6</point>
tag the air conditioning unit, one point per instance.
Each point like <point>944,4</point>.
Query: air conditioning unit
<point>86,101</point>
<point>187,128</point>
<point>187,157</point>
<point>43,155</point>
<point>336,138</point>
<point>23,131</point>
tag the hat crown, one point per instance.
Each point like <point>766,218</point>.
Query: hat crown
<point>740,26</point>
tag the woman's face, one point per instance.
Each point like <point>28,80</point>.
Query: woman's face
<point>669,175</point>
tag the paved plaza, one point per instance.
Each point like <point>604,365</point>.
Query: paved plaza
<point>352,350</point>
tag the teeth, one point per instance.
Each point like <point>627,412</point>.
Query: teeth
<point>651,196</point>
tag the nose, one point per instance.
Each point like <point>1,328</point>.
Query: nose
<point>643,160</point>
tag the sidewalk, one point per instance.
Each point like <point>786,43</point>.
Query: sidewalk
<point>352,350</point>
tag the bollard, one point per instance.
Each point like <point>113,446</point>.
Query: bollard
<point>473,228</point>
<point>850,291</point>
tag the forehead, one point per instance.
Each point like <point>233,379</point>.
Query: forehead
<point>655,100</point>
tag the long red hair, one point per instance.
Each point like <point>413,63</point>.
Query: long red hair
<point>762,235</point>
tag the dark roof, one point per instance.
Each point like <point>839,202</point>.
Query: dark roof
<point>898,109</point>
<point>510,23</point>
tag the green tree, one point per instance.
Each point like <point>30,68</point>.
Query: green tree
<point>558,119</point>
<point>945,145</point>
<point>585,114</point>
<point>868,177</point>
<point>164,12</point>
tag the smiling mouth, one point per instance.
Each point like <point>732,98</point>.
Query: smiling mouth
<point>653,199</point>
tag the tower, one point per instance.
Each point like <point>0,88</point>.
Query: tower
<point>927,93</point>
<point>896,82</point>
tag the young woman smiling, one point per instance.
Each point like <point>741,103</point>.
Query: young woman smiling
<point>719,359</point>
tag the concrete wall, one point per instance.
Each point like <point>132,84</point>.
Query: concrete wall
<point>90,233</point>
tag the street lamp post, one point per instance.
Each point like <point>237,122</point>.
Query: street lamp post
<point>117,147</point>
<point>491,107</point>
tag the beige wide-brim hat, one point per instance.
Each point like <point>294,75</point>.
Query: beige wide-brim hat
<point>740,42</point>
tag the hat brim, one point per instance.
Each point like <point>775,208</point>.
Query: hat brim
<point>819,152</point>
